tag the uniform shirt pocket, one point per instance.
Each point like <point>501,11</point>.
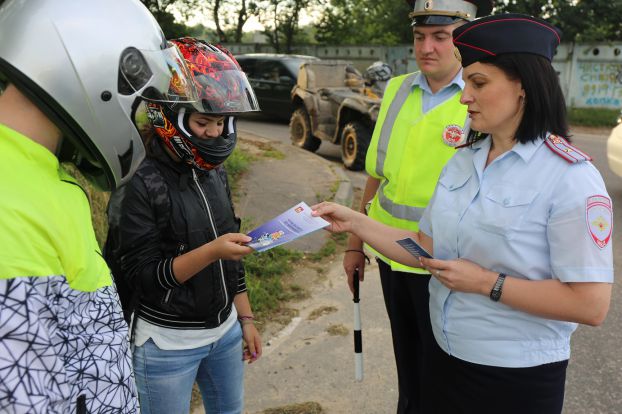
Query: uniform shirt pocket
<point>450,201</point>
<point>504,208</point>
<point>453,181</point>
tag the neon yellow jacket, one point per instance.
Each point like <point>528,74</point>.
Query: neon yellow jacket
<point>407,154</point>
<point>62,334</point>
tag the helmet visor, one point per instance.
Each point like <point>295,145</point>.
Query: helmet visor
<point>156,75</point>
<point>224,91</point>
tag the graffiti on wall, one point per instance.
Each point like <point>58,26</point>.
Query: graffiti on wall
<point>599,84</point>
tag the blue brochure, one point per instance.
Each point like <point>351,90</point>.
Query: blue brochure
<point>414,248</point>
<point>290,225</point>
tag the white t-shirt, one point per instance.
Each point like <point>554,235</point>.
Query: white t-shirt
<point>176,339</point>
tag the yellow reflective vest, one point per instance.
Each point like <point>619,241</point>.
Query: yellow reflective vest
<point>45,218</point>
<point>407,154</point>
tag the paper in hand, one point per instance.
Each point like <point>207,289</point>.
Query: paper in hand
<point>288,226</point>
<point>414,248</point>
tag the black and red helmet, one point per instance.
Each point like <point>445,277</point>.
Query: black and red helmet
<point>222,89</point>
<point>221,84</point>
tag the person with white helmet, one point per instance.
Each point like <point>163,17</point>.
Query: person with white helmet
<point>377,75</point>
<point>70,76</point>
<point>179,246</point>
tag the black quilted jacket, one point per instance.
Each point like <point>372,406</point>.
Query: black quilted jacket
<point>170,208</point>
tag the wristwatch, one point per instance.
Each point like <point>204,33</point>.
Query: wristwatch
<point>495,293</point>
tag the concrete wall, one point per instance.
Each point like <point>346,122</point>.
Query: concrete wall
<point>590,74</point>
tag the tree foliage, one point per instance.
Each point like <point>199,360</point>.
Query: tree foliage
<point>162,11</point>
<point>364,22</point>
<point>281,21</point>
<point>579,20</point>
<point>230,16</point>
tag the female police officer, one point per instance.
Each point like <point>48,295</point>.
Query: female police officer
<point>520,225</point>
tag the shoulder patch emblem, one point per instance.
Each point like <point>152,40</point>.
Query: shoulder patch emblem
<point>599,218</point>
<point>453,135</point>
<point>563,148</point>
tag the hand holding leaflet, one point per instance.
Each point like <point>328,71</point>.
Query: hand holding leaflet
<point>288,226</point>
<point>414,248</point>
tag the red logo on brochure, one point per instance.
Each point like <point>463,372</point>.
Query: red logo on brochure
<point>453,135</point>
<point>599,217</point>
<point>299,209</point>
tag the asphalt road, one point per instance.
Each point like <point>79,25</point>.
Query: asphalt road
<point>594,380</point>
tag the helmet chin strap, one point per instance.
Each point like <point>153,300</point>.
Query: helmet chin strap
<point>214,151</point>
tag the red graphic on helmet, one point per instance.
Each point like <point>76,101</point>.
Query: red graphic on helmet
<point>219,80</point>
<point>222,89</point>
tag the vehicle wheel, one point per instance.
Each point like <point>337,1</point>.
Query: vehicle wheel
<point>300,131</point>
<point>355,139</point>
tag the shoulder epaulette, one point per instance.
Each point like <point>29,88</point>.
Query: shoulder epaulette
<point>563,148</point>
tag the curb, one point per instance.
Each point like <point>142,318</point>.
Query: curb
<point>345,192</point>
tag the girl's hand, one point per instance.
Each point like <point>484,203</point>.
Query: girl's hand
<point>339,217</point>
<point>231,246</point>
<point>252,342</point>
<point>461,275</point>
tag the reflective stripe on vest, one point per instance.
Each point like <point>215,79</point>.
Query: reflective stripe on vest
<point>397,210</point>
<point>408,174</point>
<point>387,125</point>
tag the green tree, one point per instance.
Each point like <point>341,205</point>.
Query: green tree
<point>365,21</point>
<point>579,20</point>
<point>162,11</point>
<point>229,18</point>
<point>281,20</point>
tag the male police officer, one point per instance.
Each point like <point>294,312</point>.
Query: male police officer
<point>420,121</point>
<point>70,75</point>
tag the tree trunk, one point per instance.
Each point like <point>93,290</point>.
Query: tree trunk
<point>242,18</point>
<point>216,15</point>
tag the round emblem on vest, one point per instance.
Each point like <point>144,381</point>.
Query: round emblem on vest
<point>453,135</point>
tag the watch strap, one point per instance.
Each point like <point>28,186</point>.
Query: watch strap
<point>495,293</point>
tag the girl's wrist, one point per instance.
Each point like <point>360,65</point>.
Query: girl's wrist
<point>246,320</point>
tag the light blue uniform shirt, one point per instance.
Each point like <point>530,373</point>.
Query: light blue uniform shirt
<point>431,100</point>
<point>524,215</point>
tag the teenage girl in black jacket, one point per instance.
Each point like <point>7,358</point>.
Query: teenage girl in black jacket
<point>180,247</point>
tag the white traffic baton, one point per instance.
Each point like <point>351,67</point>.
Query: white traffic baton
<point>358,335</point>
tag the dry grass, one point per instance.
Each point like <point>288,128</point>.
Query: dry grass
<point>337,330</point>
<point>321,311</point>
<point>309,407</point>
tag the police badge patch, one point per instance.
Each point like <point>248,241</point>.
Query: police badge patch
<point>453,135</point>
<point>599,217</point>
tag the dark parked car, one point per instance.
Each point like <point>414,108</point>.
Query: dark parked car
<point>273,76</point>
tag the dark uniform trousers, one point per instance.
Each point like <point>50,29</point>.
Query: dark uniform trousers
<point>406,298</point>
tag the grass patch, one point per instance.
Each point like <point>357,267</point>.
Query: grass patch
<point>310,407</point>
<point>272,153</point>
<point>297,292</point>
<point>321,311</point>
<point>236,165</point>
<point>594,117</point>
<point>264,274</point>
<point>329,248</point>
<point>337,330</point>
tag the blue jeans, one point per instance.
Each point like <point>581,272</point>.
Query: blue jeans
<point>165,378</point>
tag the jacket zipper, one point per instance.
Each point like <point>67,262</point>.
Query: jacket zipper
<point>211,221</point>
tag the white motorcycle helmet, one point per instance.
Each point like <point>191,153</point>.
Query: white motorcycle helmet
<point>378,71</point>
<point>87,65</point>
